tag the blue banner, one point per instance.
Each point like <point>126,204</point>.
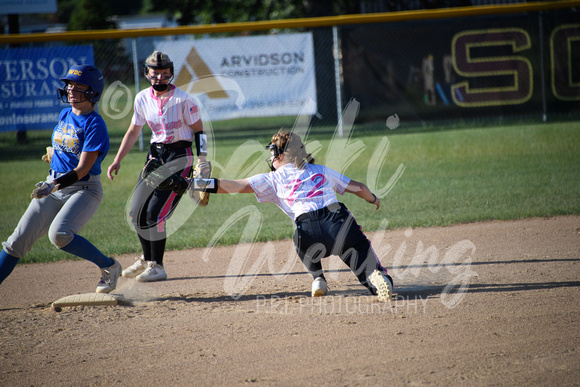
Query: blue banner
<point>29,78</point>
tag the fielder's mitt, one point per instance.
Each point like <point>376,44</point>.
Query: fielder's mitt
<point>176,183</point>
<point>154,173</point>
<point>48,156</point>
<point>158,176</point>
<point>202,170</point>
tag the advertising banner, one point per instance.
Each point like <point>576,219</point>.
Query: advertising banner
<point>255,76</point>
<point>496,67</point>
<point>8,7</point>
<point>29,78</point>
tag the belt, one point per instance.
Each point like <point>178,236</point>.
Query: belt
<point>334,207</point>
<point>56,175</point>
<point>173,145</point>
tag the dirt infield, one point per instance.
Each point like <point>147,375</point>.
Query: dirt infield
<point>494,303</point>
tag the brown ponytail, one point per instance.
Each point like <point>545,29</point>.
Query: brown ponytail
<point>292,147</point>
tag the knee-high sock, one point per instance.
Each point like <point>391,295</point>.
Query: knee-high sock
<point>7,264</point>
<point>153,250</point>
<point>81,247</point>
<point>146,247</point>
<point>157,250</point>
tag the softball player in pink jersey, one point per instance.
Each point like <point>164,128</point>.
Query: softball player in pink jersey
<point>306,192</point>
<point>175,123</point>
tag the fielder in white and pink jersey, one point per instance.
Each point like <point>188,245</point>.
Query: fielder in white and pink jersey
<point>170,117</point>
<point>175,124</point>
<point>306,192</point>
<point>298,191</point>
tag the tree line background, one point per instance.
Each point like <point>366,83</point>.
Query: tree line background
<point>99,14</point>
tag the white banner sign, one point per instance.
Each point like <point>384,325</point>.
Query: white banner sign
<point>256,76</point>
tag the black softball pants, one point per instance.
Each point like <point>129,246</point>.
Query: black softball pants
<point>334,231</point>
<point>151,208</point>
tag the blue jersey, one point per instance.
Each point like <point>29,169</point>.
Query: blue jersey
<point>75,134</point>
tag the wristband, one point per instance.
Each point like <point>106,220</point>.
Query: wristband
<point>374,201</point>
<point>67,179</point>
<point>201,143</point>
<point>206,185</point>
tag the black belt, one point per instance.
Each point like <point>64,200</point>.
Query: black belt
<point>334,207</point>
<point>173,145</point>
<point>56,175</point>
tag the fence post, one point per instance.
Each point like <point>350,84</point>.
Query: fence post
<point>336,52</point>
<point>137,86</point>
<point>542,77</point>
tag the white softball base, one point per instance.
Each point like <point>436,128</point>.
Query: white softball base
<point>91,299</point>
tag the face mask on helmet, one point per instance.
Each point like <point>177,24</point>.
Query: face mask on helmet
<point>161,77</point>
<point>276,152</point>
<point>62,94</point>
<point>158,61</point>
<point>160,86</point>
<point>86,75</point>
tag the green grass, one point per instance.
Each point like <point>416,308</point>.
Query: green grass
<point>454,176</point>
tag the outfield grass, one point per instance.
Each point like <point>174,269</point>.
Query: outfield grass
<point>449,177</point>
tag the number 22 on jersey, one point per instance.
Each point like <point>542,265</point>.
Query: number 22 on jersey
<point>297,191</point>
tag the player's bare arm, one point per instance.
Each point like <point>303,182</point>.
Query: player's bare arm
<point>363,192</point>
<point>234,186</point>
<point>213,185</point>
<point>86,163</point>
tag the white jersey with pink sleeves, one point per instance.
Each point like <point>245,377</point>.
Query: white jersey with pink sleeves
<point>169,118</point>
<point>297,191</point>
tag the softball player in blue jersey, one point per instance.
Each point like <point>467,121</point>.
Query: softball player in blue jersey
<point>306,192</point>
<point>63,204</point>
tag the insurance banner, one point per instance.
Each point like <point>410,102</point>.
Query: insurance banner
<point>29,78</point>
<point>254,76</point>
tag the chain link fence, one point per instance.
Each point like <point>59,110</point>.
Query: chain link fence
<point>455,72</point>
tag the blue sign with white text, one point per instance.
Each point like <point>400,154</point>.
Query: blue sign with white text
<point>29,78</point>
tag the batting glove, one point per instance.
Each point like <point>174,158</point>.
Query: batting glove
<point>44,188</point>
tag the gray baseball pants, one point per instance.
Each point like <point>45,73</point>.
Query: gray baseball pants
<point>61,215</point>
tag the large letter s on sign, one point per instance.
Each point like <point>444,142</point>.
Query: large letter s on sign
<point>470,65</point>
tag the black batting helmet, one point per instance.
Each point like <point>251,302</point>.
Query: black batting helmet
<point>158,60</point>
